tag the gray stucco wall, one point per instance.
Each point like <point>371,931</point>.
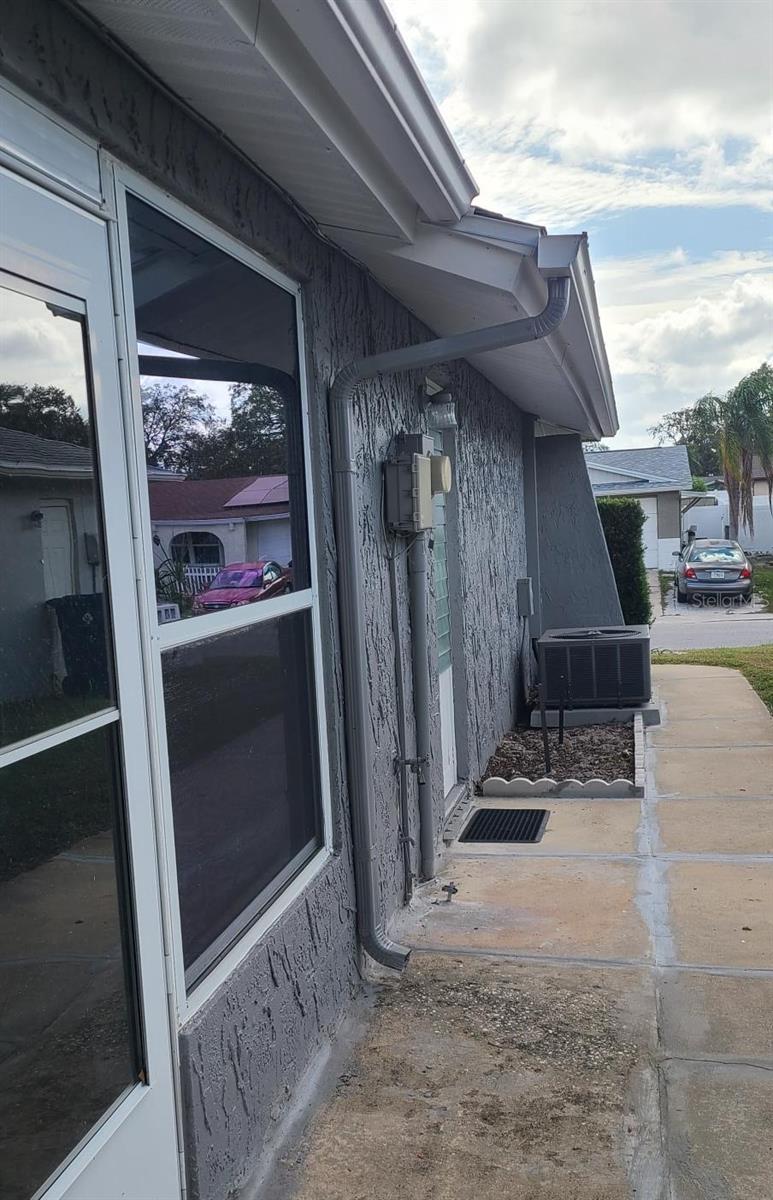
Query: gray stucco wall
<point>244,1052</point>
<point>578,587</point>
<point>669,514</point>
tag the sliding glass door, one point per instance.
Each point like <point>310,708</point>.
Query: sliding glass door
<point>86,1097</point>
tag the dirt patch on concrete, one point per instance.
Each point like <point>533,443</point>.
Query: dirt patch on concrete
<point>484,1079</point>
<point>588,752</point>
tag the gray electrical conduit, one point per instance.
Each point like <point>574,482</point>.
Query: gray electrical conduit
<point>351,588</point>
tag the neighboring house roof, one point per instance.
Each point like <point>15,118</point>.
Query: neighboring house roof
<point>24,453</point>
<point>375,167</point>
<point>649,469</point>
<point>266,489</point>
<point>218,499</point>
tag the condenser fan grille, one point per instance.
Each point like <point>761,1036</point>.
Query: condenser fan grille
<point>596,667</point>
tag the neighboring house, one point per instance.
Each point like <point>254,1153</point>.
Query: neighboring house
<point>208,523</point>
<point>759,480</point>
<point>761,485</point>
<point>715,522</point>
<point>659,478</point>
<point>200,858</point>
<point>49,547</point>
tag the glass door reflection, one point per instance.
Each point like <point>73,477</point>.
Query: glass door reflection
<point>69,1040</point>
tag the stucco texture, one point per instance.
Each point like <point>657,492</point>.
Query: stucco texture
<point>578,587</point>
<point>245,1051</point>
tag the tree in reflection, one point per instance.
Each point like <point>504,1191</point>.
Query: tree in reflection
<point>45,410</point>
<point>183,433</point>
<point>173,416</point>
<point>254,442</point>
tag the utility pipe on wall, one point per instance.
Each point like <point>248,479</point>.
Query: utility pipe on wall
<point>418,598</point>
<point>351,587</point>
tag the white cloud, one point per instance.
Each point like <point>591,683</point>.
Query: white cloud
<point>569,108</point>
<point>565,195</point>
<point>40,348</point>
<point>708,328</point>
<point>645,283</point>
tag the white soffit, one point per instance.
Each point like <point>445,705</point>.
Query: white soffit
<point>323,96</point>
<point>483,271</point>
<point>308,96</point>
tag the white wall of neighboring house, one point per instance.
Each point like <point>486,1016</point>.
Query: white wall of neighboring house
<point>232,535</point>
<point>43,558</point>
<point>269,538</point>
<point>659,549</point>
<point>667,547</point>
<point>597,476</point>
<point>662,528</point>
<point>713,522</point>
<point>242,541</point>
<point>649,506</point>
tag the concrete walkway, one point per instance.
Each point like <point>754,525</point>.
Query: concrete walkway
<point>588,1018</point>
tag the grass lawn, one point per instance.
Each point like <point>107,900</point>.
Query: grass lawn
<point>666,583</point>
<point>763,584</point>
<point>755,662</point>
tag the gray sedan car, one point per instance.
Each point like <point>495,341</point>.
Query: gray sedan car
<point>708,567</point>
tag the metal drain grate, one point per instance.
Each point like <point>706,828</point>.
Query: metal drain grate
<point>506,825</point>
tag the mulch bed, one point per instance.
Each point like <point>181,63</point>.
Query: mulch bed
<point>589,752</point>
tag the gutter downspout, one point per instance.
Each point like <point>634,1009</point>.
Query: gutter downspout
<point>351,586</point>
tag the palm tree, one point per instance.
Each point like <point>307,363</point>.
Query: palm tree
<point>745,423</point>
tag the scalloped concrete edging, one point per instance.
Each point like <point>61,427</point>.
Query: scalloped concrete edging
<point>520,789</point>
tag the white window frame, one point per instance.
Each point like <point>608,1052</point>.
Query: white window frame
<point>120,180</point>
<point>132,767</point>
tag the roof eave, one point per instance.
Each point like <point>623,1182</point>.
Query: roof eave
<point>363,57</point>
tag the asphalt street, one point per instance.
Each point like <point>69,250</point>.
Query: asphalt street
<point>707,625</point>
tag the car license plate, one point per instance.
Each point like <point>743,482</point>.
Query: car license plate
<point>717,575</point>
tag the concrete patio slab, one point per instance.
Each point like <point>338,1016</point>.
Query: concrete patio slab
<point>722,913</point>
<point>737,825</point>
<point>550,906</point>
<point>719,1131</point>
<point>708,731</point>
<point>589,1017</point>
<point>482,1079</point>
<point>65,907</point>
<point>717,771</point>
<point>597,827</point>
<point>668,671</point>
<point>713,1016</point>
<point>714,697</point>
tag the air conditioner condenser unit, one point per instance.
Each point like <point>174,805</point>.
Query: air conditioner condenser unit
<point>596,667</point>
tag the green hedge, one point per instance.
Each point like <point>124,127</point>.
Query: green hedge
<point>622,519</point>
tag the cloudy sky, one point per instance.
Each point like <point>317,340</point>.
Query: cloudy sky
<point>648,124</point>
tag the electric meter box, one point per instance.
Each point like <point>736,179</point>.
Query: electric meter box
<point>408,484</point>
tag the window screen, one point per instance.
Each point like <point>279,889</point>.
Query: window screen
<point>217,346</point>
<point>241,730</point>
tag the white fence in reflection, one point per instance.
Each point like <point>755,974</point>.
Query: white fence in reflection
<point>200,575</point>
